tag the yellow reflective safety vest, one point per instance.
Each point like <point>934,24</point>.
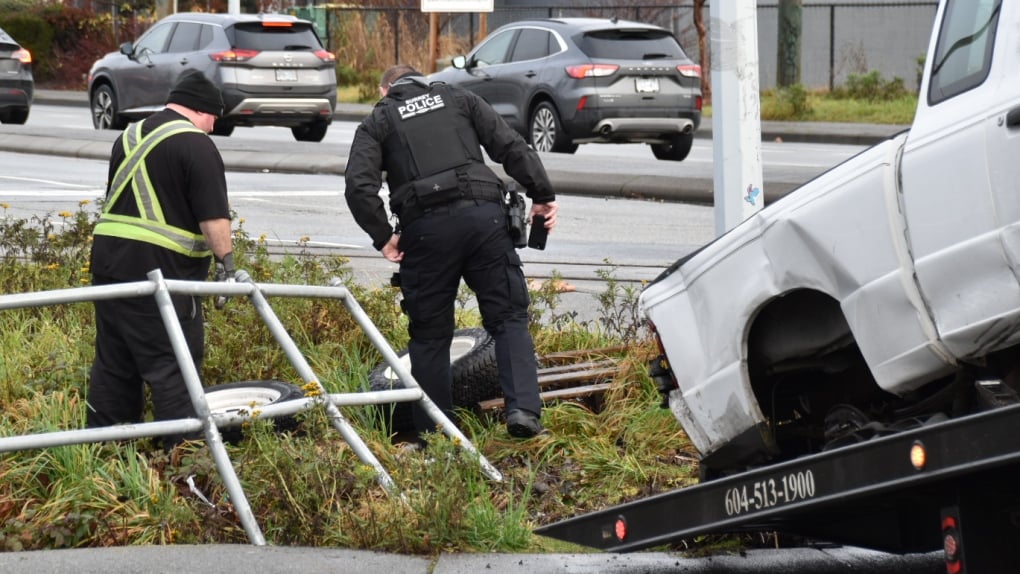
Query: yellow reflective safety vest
<point>150,225</point>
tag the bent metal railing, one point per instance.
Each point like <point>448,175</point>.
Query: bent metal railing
<point>209,422</point>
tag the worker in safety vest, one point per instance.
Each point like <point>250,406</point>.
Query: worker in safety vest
<point>166,208</point>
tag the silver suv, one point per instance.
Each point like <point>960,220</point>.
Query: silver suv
<point>567,81</point>
<point>272,69</point>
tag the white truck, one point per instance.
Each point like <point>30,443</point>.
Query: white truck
<point>847,360</point>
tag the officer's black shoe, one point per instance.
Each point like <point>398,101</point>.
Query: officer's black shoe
<point>522,424</point>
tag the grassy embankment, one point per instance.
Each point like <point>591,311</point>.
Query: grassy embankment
<point>307,487</point>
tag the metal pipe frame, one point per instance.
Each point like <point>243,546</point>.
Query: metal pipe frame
<point>210,423</point>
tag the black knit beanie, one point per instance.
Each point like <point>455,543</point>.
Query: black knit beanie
<point>193,90</point>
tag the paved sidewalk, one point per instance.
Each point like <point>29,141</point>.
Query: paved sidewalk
<point>242,559</point>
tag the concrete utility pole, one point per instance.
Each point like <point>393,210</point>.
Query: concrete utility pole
<point>788,43</point>
<point>736,113</point>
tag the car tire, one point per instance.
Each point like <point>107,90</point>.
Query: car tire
<point>545,131</point>
<point>223,128</point>
<point>104,110</point>
<point>15,117</point>
<point>474,373</point>
<point>677,149</point>
<point>310,132</point>
<point>248,395</point>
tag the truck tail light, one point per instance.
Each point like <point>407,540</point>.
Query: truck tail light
<point>951,545</point>
<point>591,71</point>
<point>660,372</point>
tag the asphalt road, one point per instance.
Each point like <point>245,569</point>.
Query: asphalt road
<point>229,559</point>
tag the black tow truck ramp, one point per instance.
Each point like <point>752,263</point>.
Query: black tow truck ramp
<point>953,485</point>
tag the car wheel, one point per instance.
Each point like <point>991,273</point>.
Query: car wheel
<point>249,395</point>
<point>104,110</point>
<point>676,150</point>
<point>311,132</point>
<point>222,128</point>
<point>545,131</point>
<point>473,366</point>
<point>15,117</point>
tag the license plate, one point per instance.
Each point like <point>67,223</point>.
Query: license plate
<point>646,84</point>
<point>286,75</point>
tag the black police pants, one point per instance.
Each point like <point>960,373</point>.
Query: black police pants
<point>467,239</point>
<point>133,348</point>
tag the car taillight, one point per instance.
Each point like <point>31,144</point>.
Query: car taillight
<point>233,55</point>
<point>276,24</point>
<point>581,102</point>
<point>325,56</point>
<point>591,70</point>
<point>689,70</point>
<point>698,103</point>
<point>22,55</point>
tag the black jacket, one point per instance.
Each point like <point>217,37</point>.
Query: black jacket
<point>366,161</point>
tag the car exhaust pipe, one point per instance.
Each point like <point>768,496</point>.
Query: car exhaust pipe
<point>688,128</point>
<point>605,130</point>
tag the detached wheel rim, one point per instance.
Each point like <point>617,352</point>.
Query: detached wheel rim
<point>242,399</point>
<point>543,129</point>
<point>459,347</point>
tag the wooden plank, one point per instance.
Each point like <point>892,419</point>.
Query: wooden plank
<point>576,376</point>
<point>582,353</point>
<point>575,366</point>
<point>555,395</point>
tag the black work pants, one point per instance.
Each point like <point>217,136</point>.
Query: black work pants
<point>467,239</point>
<point>133,348</point>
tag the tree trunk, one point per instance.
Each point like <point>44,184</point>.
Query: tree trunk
<point>703,55</point>
<point>788,43</point>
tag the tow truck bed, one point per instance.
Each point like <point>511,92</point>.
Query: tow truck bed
<point>870,494</point>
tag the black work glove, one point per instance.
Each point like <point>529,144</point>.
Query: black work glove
<point>224,273</point>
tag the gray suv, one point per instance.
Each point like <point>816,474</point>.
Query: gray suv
<point>272,69</point>
<point>567,81</point>
<point>16,82</point>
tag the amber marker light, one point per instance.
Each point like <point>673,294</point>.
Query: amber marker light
<point>918,456</point>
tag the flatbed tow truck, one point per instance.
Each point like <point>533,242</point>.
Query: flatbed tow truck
<point>950,485</point>
<point>846,361</point>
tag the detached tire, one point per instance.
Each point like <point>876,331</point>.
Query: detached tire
<point>473,366</point>
<point>248,395</point>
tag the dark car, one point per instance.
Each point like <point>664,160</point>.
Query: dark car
<point>16,82</point>
<point>567,81</point>
<point>272,69</point>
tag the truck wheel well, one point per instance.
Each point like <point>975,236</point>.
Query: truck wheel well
<point>802,361</point>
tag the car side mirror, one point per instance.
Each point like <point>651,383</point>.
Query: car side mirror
<point>459,62</point>
<point>127,49</point>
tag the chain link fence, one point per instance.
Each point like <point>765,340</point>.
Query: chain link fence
<point>838,38</point>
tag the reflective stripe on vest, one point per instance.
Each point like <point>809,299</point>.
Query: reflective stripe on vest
<point>150,225</point>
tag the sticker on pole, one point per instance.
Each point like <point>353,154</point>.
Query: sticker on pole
<point>456,5</point>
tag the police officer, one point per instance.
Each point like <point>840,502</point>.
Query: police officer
<point>166,208</point>
<point>427,138</point>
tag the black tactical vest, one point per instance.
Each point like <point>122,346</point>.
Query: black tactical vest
<point>430,148</point>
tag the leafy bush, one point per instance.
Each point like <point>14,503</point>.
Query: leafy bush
<point>790,103</point>
<point>871,87</point>
<point>35,35</point>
